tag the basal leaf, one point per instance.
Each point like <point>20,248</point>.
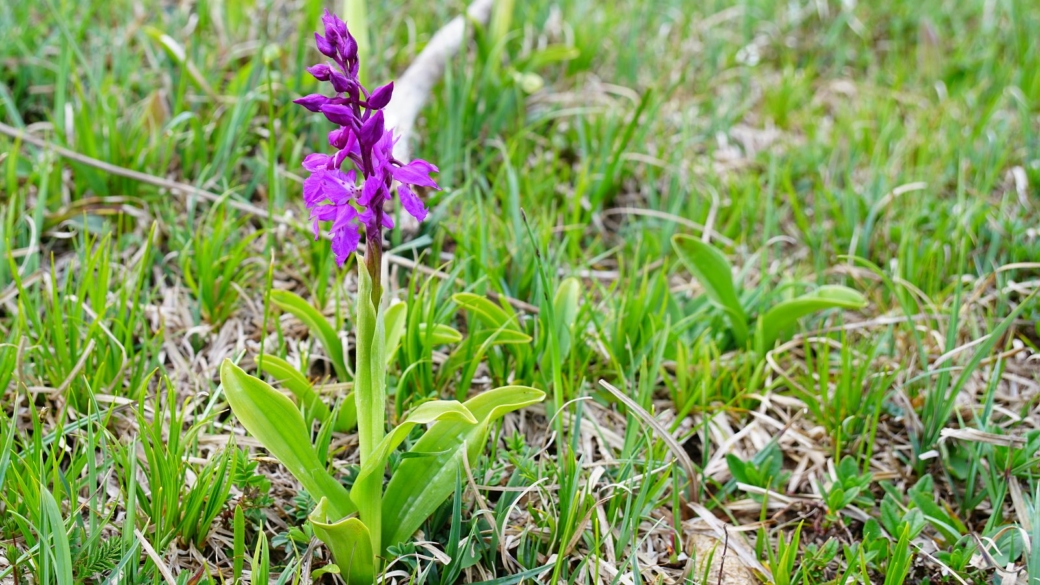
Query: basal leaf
<point>371,475</point>
<point>422,483</point>
<point>440,335</point>
<point>781,319</point>
<point>490,314</point>
<point>501,337</point>
<point>369,395</point>
<point>425,414</point>
<point>500,320</point>
<point>275,421</point>
<point>370,370</point>
<point>315,321</point>
<point>303,390</point>
<point>295,382</point>
<point>350,543</point>
<point>711,269</point>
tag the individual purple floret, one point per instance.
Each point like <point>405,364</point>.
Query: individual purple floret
<point>355,198</point>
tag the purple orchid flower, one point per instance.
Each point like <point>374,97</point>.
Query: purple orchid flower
<point>354,198</point>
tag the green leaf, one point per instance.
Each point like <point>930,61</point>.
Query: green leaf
<point>370,380</point>
<point>261,560</point>
<point>565,311</point>
<point>836,499</point>
<point>303,390</point>
<point>902,557</point>
<point>440,335</point>
<point>395,319</point>
<point>781,319</point>
<point>949,526</point>
<point>276,422</point>
<point>891,514</point>
<point>368,487</point>
<point>319,327</point>
<point>176,52</point>
<point>55,541</point>
<point>425,414</point>
<point>501,322</point>
<point>738,469</point>
<point>239,546</point>
<point>547,56</point>
<point>490,314</point>
<point>421,484</point>
<point>329,569</point>
<point>711,269</point>
<point>501,337</point>
<point>370,396</point>
<point>350,543</point>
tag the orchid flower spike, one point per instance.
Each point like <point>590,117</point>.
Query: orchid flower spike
<point>353,198</point>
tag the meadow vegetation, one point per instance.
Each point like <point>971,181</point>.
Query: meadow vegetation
<point>774,265</point>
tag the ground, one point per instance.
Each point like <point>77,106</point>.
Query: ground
<point>589,153</point>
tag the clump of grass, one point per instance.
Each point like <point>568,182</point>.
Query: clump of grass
<point>214,262</point>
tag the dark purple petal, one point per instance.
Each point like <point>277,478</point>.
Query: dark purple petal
<point>321,71</point>
<point>372,186</point>
<point>333,22</point>
<point>340,82</point>
<point>316,161</point>
<point>339,138</point>
<point>324,46</point>
<point>372,130</point>
<point>416,172</point>
<point>381,96</point>
<point>348,47</point>
<point>333,37</point>
<point>313,102</point>
<point>411,202</point>
<point>352,147</point>
<point>337,114</point>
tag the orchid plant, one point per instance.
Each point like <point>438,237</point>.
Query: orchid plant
<point>361,523</point>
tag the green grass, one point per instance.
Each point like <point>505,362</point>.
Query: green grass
<point>888,147</point>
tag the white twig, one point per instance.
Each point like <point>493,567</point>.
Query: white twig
<point>413,88</point>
